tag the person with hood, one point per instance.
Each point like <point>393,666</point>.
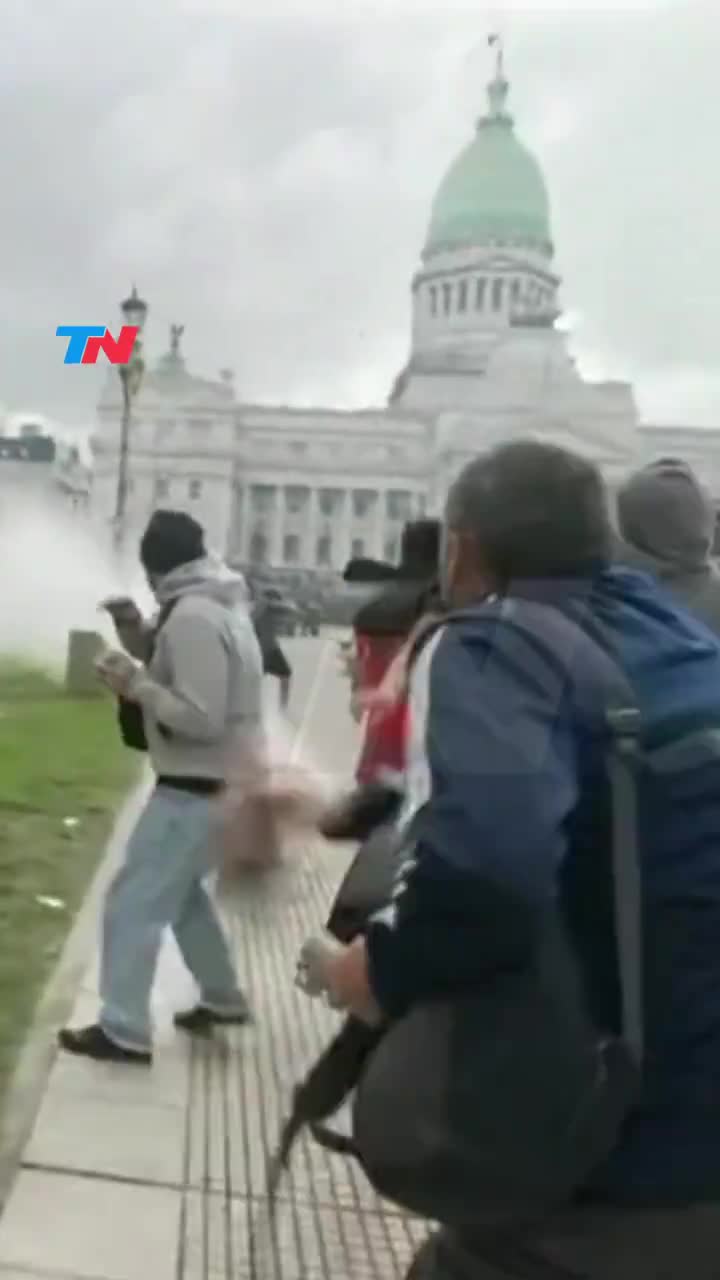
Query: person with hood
<point>667,524</point>
<point>199,690</point>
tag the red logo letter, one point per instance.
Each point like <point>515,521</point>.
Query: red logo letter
<point>118,350</point>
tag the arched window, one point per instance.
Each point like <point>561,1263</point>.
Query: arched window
<point>329,501</point>
<point>363,501</point>
<point>498,293</point>
<point>480,293</point>
<point>262,497</point>
<point>515,290</point>
<point>399,504</point>
<point>296,498</point>
<point>433,300</point>
<point>462,295</point>
<point>447,298</point>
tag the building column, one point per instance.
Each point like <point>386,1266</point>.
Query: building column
<point>342,554</point>
<point>276,536</point>
<point>238,536</point>
<point>245,524</point>
<point>379,532</point>
<point>309,556</point>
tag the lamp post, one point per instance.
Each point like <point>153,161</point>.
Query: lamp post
<point>134,313</point>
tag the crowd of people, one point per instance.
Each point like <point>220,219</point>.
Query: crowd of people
<point>512,1087</point>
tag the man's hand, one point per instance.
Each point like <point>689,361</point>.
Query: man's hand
<point>117,671</point>
<point>292,795</point>
<point>346,981</point>
<point>122,610</point>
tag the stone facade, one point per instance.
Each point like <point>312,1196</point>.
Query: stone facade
<point>300,488</point>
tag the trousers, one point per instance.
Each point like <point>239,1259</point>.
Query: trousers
<point>160,885</point>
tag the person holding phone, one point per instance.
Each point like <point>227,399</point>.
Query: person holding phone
<point>195,679</point>
<point>132,630</point>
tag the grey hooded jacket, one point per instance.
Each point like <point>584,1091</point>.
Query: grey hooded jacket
<point>203,684</point>
<point>667,524</point>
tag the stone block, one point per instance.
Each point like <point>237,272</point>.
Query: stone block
<point>84,648</point>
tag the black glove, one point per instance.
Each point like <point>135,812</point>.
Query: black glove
<point>369,806</point>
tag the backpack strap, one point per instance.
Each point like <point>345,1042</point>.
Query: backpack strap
<point>623,719</point>
<point>162,618</point>
<point>160,621</point>
<point>623,757</point>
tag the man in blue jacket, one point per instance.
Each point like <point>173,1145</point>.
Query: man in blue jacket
<point>527,524</point>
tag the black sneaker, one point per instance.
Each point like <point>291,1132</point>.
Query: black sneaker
<point>200,1021</point>
<point>92,1042</point>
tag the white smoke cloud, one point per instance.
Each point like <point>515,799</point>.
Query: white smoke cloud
<point>52,580</point>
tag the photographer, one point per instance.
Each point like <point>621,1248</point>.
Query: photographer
<point>197,696</point>
<point>506,861</point>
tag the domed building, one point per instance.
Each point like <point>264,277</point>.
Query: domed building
<point>305,489</point>
<point>487,358</point>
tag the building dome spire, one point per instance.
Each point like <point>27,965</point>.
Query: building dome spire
<point>498,88</point>
<point>494,191</point>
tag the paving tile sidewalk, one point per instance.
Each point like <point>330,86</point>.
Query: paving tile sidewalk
<point>157,1175</point>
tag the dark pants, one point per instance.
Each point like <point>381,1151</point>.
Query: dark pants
<point>588,1244</point>
<point>275,662</point>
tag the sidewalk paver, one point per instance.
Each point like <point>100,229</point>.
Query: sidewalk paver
<point>158,1175</point>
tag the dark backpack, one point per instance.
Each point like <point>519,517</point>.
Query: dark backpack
<point>131,720</point>
<point>517,1098</point>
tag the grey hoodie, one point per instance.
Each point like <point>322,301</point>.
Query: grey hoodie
<point>203,683</point>
<point>667,524</point>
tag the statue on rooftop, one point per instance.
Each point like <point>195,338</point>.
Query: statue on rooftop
<point>176,333</point>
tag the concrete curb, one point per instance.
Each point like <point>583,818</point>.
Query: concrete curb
<point>27,1086</point>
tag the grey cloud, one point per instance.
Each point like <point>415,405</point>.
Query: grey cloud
<point>267,181</point>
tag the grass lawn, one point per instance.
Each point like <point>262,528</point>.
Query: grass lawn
<point>63,771</point>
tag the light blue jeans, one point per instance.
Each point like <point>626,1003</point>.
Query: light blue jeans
<point>161,884</point>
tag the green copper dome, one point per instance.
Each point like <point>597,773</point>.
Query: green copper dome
<point>495,189</point>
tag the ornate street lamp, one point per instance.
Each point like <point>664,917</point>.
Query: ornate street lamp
<point>134,311</point>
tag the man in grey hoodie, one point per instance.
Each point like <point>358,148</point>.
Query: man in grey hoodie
<point>667,524</point>
<point>199,689</point>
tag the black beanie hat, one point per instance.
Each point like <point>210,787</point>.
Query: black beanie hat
<point>171,539</point>
<point>420,548</point>
<point>419,557</point>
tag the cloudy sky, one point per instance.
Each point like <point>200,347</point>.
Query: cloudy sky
<point>264,170</point>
